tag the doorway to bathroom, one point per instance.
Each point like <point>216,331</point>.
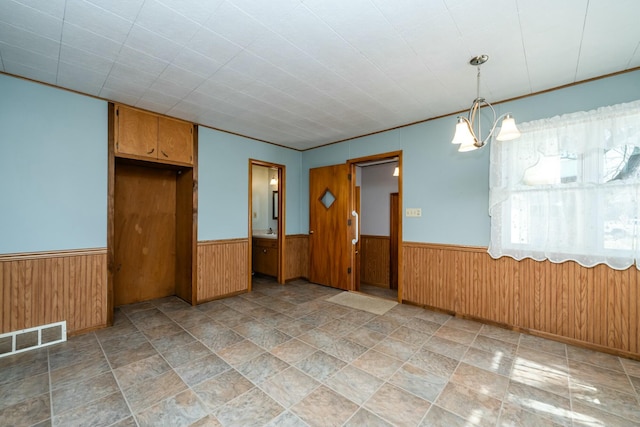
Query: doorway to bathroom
<point>266,220</point>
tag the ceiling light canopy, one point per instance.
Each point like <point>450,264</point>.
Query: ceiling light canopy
<point>469,129</point>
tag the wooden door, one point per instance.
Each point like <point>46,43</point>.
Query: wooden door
<point>394,231</point>
<point>175,140</point>
<point>145,233</point>
<point>330,234</point>
<point>137,132</point>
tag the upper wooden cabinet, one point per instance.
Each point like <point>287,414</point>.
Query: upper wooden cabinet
<point>147,136</point>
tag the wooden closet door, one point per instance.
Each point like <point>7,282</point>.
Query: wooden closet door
<point>145,233</point>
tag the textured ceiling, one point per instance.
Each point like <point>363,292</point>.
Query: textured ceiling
<point>306,73</point>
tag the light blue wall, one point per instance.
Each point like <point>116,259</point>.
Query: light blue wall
<point>453,188</point>
<point>223,183</point>
<point>53,168</point>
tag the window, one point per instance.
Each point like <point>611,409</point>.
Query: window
<point>569,189</point>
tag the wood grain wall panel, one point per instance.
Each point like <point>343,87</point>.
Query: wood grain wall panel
<point>296,257</point>
<point>46,287</point>
<point>222,268</point>
<point>374,260</point>
<point>598,307</point>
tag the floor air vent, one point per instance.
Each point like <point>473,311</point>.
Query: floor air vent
<point>32,338</point>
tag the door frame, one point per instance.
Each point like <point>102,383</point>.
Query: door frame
<point>281,217</point>
<point>380,157</point>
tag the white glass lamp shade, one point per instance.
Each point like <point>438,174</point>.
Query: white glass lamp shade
<point>274,181</point>
<point>468,146</point>
<point>463,132</point>
<point>508,131</point>
<point>396,171</point>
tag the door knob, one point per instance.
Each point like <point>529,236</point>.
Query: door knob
<point>311,232</point>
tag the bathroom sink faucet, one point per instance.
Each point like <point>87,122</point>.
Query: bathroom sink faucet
<point>270,230</point>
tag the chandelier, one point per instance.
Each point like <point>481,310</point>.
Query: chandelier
<point>469,129</point>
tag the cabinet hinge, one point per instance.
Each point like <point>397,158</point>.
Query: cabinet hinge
<point>348,222</point>
<point>117,112</point>
<point>349,270</point>
<point>349,177</point>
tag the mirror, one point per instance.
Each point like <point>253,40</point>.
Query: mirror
<point>275,204</point>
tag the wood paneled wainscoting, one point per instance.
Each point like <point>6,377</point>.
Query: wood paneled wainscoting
<point>222,269</point>
<point>296,257</point>
<point>374,260</point>
<point>46,287</point>
<point>596,307</point>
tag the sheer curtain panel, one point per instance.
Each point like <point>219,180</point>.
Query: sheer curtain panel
<point>569,189</point>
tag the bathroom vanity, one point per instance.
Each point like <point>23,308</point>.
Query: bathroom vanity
<point>265,254</point>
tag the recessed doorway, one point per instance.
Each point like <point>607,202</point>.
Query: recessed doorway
<point>266,220</point>
<point>377,204</point>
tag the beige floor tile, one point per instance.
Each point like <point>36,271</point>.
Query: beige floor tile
<point>320,365</point>
<point>222,388</point>
<point>262,367</point>
<point>446,347</point>
<point>366,418</point>
<point>182,355</point>
<point>397,349</point>
<point>142,370</point>
<point>469,404</point>
<point>494,346</point>
<point>435,363</point>
<point>591,375</point>
<point>438,417</point>
<point>378,364</point>
<point>324,407</point>
<point>289,386</point>
<point>481,381</point>
<point>460,336</point>
<point>607,399</point>
<point>83,392</point>
<point>240,352</point>
<point>516,416</point>
<point>155,390</point>
<point>540,402</point>
<point>202,369</point>
<point>541,344</point>
<point>184,409</point>
<point>27,412</point>
<point>496,363</point>
<point>254,408</point>
<point>354,384</point>
<point>419,382</point>
<point>24,389</point>
<point>397,406</point>
<point>101,412</point>
<point>593,357</point>
<point>293,351</point>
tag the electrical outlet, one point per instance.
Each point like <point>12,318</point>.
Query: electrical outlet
<point>413,212</point>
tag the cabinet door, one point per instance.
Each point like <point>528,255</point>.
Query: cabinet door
<point>265,259</point>
<point>137,133</point>
<point>175,140</point>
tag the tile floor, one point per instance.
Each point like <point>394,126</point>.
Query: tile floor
<point>283,356</point>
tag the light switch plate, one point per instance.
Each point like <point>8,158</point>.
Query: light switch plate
<point>413,212</point>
